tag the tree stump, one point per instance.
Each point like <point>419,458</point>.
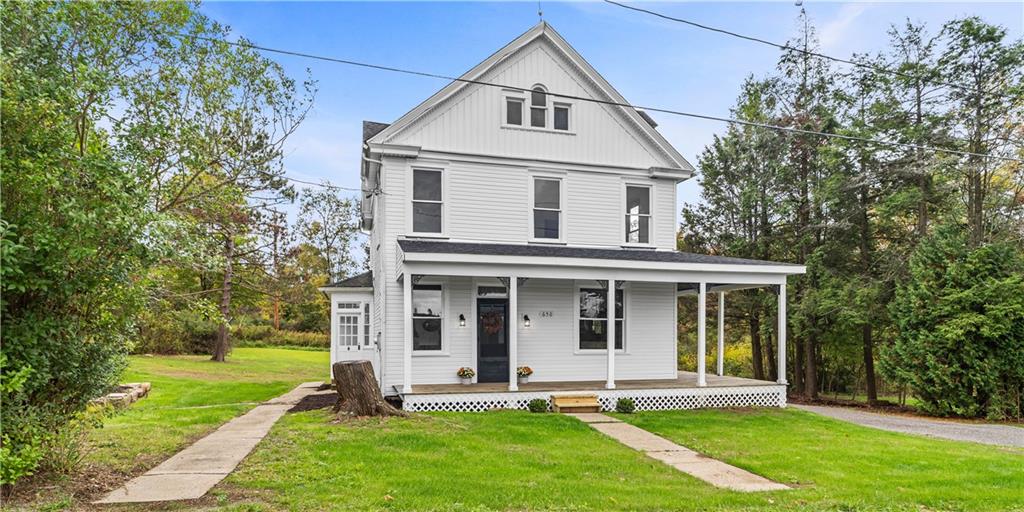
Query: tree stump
<point>358,391</point>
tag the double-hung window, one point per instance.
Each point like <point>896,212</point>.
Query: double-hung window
<point>547,208</point>
<point>538,107</point>
<point>638,214</point>
<point>561,117</point>
<point>427,201</point>
<point>593,319</point>
<point>427,317</point>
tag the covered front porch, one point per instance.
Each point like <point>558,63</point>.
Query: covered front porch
<point>550,300</point>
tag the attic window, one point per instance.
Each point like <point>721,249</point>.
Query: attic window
<point>538,107</point>
<point>561,120</point>
<point>514,111</point>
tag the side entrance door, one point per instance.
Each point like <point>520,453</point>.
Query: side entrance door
<point>492,340</point>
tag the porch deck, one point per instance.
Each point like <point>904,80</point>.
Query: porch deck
<point>685,380</point>
<point>649,394</point>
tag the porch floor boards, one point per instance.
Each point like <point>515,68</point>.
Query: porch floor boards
<point>685,380</point>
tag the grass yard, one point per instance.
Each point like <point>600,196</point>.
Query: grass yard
<point>191,396</point>
<point>521,461</point>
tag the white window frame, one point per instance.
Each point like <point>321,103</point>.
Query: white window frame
<point>567,106</point>
<point>554,176</point>
<point>581,285</point>
<point>410,215</point>
<point>443,351</point>
<point>364,311</point>
<point>528,121</point>
<point>623,232</point>
<point>507,97</point>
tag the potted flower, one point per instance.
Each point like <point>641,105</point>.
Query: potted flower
<point>466,374</point>
<point>524,373</point>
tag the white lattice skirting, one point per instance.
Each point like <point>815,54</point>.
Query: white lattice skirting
<point>645,399</point>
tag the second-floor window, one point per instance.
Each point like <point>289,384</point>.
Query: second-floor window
<point>638,214</point>
<point>538,107</point>
<point>427,202</point>
<point>547,208</point>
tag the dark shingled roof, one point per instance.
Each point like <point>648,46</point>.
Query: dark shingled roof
<point>364,280</point>
<point>561,251</point>
<point>371,128</point>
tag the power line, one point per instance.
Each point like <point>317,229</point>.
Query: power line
<point>785,47</point>
<point>788,129</point>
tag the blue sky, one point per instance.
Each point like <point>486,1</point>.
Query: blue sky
<point>650,61</point>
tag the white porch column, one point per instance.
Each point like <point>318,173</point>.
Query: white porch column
<point>702,296</point>
<point>610,302</point>
<point>513,333</point>
<point>782,334</point>
<point>407,333</point>
<point>720,358</point>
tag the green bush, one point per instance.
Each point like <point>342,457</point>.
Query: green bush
<point>537,405</point>
<point>625,406</point>
<point>960,320</point>
<point>257,336</point>
<point>175,332</point>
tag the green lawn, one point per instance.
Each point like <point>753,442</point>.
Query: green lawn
<point>522,461</point>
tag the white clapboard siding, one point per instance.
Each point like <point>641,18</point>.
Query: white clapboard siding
<point>471,122</point>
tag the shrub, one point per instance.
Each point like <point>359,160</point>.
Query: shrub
<point>537,405</point>
<point>265,336</point>
<point>625,406</point>
<point>175,332</point>
<point>960,320</point>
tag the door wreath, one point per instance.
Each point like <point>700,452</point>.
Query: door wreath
<point>492,323</point>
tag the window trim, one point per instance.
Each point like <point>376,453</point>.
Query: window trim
<point>444,350</point>
<point>569,117</point>
<point>544,107</point>
<point>410,214</point>
<point>560,178</point>
<point>623,213</point>
<point>584,285</point>
<point>504,110</point>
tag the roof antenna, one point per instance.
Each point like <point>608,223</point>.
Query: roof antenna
<point>540,13</point>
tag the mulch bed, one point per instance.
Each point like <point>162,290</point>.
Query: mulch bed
<point>314,402</point>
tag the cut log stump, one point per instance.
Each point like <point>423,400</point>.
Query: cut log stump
<point>358,392</point>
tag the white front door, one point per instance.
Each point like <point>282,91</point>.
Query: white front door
<point>352,338</point>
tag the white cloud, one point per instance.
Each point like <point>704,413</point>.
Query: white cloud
<point>834,31</point>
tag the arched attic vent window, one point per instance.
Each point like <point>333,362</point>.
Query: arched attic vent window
<point>538,106</point>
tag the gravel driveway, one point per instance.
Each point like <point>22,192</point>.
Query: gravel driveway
<point>986,433</point>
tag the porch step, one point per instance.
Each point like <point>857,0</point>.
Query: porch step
<point>575,403</point>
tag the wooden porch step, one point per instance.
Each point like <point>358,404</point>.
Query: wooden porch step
<point>575,403</point>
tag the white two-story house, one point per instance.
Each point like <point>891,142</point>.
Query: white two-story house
<point>525,216</point>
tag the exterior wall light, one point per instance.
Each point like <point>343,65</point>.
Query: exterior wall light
<point>526,320</point>
<point>462,320</point>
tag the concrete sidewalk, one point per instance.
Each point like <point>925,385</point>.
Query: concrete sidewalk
<point>712,471</point>
<point>192,472</point>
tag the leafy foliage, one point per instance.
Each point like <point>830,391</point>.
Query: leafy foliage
<point>960,317</point>
<point>537,405</point>
<point>625,406</point>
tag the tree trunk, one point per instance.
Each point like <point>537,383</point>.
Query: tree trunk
<point>358,392</point>
<point>755,343</point>
<point>869,364</point>
<point>223,343</point>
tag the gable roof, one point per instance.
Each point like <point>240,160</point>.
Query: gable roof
<point>640,122</point>
<point>364,280</point>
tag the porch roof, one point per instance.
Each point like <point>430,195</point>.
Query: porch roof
<point>562,251</point>
<point>541,260</point>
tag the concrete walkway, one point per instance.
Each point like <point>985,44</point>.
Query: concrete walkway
<point>985,433</point>
<point>195,470</point>
<point>712,471</point>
